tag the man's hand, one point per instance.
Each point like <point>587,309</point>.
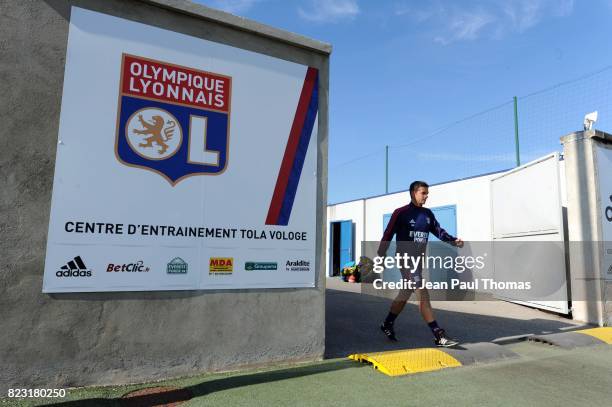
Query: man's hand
<point>458,243</point>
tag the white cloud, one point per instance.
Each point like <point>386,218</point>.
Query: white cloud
<point>323,11</point>
<point>524,14</point>
<point>483,18</point>
<point>465,26</point>
<point>419,14</point>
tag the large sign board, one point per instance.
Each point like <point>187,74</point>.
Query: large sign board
<point>181,164</point>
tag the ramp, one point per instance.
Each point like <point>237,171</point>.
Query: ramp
<point>410,361</point>
<point>401,362</point>
<point>604,334</point>
<point>482,352</point>
<point>574,339</point>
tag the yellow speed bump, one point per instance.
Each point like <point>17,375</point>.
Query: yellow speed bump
<point>401,362</point>
<point>603,334</point>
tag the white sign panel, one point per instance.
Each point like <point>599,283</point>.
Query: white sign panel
<point>604,172</point>
<point>181,164</point>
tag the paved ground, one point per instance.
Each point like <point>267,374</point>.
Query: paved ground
<point>352,321</point>
<point>542,376</point>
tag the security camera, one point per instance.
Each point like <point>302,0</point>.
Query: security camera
<point>589,120</point>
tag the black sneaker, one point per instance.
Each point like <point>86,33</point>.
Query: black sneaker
<point>444,341</point>
<point>388,331</point>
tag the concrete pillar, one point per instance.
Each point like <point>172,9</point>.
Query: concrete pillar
<point>588,168</point>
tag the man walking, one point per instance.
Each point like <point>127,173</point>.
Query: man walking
<point>411,224</point>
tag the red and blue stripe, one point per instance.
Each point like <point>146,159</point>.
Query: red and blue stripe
<point>295,151</point>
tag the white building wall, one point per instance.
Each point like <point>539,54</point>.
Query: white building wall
<point>379,206</point>
<point>472,198</point>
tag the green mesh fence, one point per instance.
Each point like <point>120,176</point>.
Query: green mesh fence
<point>479,144</point>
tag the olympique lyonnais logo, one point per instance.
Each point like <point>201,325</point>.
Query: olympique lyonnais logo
<point>172,119</point>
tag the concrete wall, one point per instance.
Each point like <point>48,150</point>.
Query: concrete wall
<point>583,211</point>
<point>75,339</point>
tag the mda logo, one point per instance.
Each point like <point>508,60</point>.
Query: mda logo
<point>173,120</point>
<point>221,265</point>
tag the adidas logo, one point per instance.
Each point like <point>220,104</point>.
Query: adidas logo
<point>74,268</point>
<point>412,222</point>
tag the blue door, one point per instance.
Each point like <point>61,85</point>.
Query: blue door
<point>386,219</point>
<point>447,218</point>
<point>390,274</point>
<point>346,242</point>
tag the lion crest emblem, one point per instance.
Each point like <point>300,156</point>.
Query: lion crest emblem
<point>153,133</point>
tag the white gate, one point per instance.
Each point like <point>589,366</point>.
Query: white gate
<point>528,234</point>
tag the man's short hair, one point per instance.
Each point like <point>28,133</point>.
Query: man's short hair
<point>417,184</point>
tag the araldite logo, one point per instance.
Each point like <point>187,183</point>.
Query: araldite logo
<point>173,120</point>
<point>74,268</point>
<point>137,267</point>
<point>221,265</point>
<point>297,265</point>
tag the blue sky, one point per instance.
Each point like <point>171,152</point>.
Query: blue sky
<point>402,69</point>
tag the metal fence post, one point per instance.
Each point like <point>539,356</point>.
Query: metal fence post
<point>516,133</point>
<point>386,169</point>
